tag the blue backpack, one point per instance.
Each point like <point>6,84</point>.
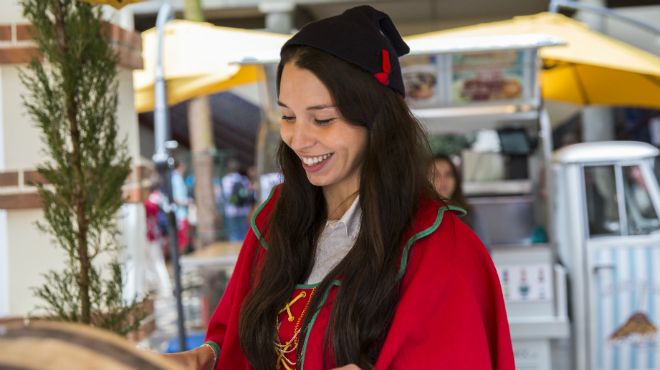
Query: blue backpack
<point>240,195</point>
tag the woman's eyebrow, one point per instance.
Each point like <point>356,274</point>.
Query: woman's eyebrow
<point>320,107</point>
<point>313,107</point>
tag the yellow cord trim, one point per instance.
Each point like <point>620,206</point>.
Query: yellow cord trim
<point>287,307</point>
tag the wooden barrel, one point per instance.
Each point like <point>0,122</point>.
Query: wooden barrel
<point>55,345</point>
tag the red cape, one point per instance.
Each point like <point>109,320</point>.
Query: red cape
<point>450,315</point>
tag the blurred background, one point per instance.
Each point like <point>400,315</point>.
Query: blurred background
<point>546,115</point>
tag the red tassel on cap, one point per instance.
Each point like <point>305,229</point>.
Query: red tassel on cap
<point>384,76</point>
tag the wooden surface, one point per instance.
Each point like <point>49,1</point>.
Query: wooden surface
<point>53,345</point>
<point>222,255</point>
<point>218,249</point>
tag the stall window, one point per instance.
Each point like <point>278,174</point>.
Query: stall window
<point>602,202</point>
<point>641,215</point>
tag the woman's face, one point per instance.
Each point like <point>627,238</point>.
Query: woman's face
<point>330,148</point>
<point>443,179</point>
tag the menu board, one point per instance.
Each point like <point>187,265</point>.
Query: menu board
<point>469,78</point>
<point>421,75</point>
<point>487,76</point>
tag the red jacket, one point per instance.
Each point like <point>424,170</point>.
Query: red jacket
<point>450,314</point>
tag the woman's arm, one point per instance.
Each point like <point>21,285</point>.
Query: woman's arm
<point>200,358</point>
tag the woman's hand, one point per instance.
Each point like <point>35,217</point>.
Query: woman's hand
<point>200,358</point>
<point>348,367</point>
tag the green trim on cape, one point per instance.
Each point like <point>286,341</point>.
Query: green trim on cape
<point>313,320</point>
<point>253,220</point>
<point>426,232</point>
<point>402,269</point>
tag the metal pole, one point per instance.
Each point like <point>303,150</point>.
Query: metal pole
<point>164,164</point>
<point>556,4</point>
<point>161,126</point>
<point>546,141</point>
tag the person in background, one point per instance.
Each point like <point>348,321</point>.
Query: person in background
<point>354,262</point>
<point>448,184</point>
<point>157,242</point>
<point>152,211</point>
<point>237,199</point>
<point>182,200</point>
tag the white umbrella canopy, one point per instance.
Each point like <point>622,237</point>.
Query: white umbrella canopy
<point>200,58</point>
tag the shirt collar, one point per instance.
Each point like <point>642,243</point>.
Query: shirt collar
<point>350,221</point>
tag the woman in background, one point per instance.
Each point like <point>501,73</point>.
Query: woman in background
<point>448,183</point>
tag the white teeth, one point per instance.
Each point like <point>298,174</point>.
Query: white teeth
<point>310,161</point>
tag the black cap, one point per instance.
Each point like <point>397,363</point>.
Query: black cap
<point>362,36</point>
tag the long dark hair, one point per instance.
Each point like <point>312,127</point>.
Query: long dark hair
<point>393,178</point>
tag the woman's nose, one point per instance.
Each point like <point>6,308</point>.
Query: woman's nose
<point>300,136</point>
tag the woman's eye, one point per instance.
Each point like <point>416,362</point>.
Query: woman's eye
<point>288,118</point>
<point>322,122</point>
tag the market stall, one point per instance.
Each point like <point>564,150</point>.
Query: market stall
<point>481,85</point>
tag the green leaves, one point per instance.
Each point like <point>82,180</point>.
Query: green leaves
<point>73,101</point>
<point>110,311</point>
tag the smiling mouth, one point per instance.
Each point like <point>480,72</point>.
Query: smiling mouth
<point>311,161</point>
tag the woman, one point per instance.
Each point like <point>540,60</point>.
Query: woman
<point>353,262</point>
<point>448,184</point>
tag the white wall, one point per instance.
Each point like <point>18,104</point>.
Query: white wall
<point>30,251</point>
<point>4,265</point>
<point>31,254</point>
<point>27,251</point>
<point>11,11</point>
<point>4,248</point>
<point>2,124</point>
<point>22,252</point>
<point>133,231</point>
<point>126,117</point>
<point>23,148</point>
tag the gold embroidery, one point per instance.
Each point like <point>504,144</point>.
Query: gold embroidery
<point>291,345</point>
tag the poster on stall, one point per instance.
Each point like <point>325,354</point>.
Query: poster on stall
<point>421,77</point>
<point>492,76</point>
<point>529,282</point>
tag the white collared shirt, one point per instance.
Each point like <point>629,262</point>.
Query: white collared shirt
<point>336,240</point>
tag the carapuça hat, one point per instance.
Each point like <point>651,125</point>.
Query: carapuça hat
<point>362,36</point>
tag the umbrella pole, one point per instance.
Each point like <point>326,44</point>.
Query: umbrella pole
<point>164,163</point>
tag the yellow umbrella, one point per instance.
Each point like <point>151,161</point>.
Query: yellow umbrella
<point>591,68</point>
<point>117,4</point>
<point>200,58</point>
